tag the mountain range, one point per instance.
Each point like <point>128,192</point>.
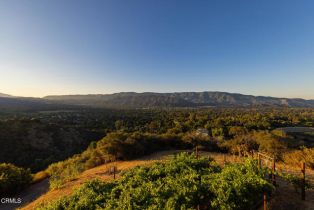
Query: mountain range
<point>151,100</point>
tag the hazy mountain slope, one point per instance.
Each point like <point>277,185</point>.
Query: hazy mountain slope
<point>30,104</point>
<point>5,95</point>
<point>179,99</point>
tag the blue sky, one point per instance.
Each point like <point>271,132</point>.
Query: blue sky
<point>105,46</point>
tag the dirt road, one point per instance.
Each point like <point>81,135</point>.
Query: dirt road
<point>28,195</point>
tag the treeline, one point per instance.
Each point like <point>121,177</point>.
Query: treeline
<point>218,121</point>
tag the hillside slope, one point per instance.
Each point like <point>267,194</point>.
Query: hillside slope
<point>101,172</point>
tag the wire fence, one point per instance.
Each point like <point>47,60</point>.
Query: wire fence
<point>277,172</point>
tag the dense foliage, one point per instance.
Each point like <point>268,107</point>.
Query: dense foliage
<point>34,144</point>
<point>13,179</point>
<point>36,139</point>
<point>181,183</point>
<point>263,141</point>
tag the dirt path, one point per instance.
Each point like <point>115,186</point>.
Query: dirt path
<point>28,195</point>
<point>287,197</point>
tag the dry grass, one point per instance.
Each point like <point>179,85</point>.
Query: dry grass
<point>39,176</point>
<point>295,157</point>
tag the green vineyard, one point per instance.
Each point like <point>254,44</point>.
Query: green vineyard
<point>184,182</point>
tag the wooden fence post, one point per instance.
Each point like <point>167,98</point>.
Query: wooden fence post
<point>273,172</point>
<point>224,159</point>
<point>196,151</point>
<point>265,201</point>
<point>303,181</point>
<point>259,161</point>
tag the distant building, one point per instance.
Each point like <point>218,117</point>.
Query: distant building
<point>202,132</point>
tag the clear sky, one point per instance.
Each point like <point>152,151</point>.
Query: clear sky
<point>105,46</point>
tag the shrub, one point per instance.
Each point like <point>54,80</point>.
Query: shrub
<point>13,179</point>
<point>62,172</point>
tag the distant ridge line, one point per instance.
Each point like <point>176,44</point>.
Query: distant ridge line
<point>177,99</point>
<point>133,100</point>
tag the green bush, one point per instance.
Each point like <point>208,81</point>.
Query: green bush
<point>65,171</point>
<point>13,179</point>
<point>238,186</point>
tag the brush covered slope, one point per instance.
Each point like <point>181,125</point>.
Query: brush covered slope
<point>181,183</point>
